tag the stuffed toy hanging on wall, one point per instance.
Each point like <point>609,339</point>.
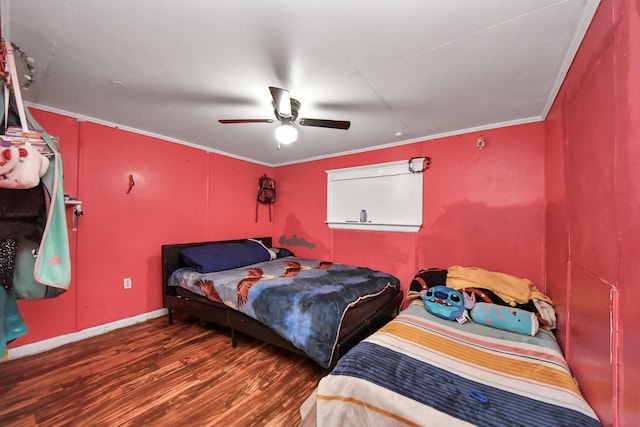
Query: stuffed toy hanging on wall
<point>21,167</point>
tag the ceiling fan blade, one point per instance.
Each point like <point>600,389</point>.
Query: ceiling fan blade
<point>281,101</point>
<point>231,121</point>
<point>334,124</point>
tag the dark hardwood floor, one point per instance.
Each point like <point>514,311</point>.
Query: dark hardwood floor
<point>156,374</point>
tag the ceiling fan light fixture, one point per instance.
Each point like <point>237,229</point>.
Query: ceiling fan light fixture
<point>286,134</point>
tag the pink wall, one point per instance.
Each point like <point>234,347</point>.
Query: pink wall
<point>482,207</point>
<point>592,229</point>
<point>120,234</point>
<point>57,316</point>
<point>628,209</point>
<point>477,201</point>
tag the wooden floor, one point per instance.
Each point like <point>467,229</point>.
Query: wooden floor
<point>157,374</point>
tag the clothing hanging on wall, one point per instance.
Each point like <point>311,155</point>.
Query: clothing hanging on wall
<point>42,264</point>
<point>34,245</point>
<point>11,324</point>
<point>8,250</point>
<point>23,212</point>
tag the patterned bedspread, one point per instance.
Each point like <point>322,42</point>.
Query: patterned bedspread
<point>424,371</point>
<point>302,300</point>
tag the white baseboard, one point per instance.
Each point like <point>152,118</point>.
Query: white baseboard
<point>51,343</point>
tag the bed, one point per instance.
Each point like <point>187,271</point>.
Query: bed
<point>421,370</point>
<point>318,309</point>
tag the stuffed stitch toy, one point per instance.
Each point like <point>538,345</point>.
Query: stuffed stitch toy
<point>29,165</point>
<point>446,303</point>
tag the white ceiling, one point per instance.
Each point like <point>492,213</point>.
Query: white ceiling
<point>399,71</point>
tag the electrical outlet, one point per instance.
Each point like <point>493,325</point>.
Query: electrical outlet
<point>126,282</point>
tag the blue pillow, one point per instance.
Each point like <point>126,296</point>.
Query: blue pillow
<point>224,255</point>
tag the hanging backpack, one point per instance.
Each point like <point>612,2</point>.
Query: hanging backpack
<point>266,193</point>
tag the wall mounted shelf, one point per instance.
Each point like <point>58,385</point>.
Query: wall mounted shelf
<point>371,226</point>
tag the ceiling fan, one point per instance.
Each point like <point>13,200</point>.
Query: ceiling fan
<point>286,111</point>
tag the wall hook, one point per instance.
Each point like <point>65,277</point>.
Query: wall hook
<point>131,184</point>
<point>480,143</point>
<point>77,212</point>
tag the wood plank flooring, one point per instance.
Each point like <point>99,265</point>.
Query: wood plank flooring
<point>156,374</point>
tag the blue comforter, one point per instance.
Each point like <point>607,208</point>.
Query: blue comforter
<point>302,300</point>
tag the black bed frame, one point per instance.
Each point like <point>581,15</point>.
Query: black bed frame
<point>359,322</point>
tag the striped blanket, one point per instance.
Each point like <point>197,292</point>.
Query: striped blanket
<point>420,370</point>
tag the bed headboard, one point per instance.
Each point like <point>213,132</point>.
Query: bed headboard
<point>171,256</point>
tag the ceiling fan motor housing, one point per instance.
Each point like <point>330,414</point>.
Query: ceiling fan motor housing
<point>295,108</point>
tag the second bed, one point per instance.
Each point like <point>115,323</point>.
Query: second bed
<point>313,307</point>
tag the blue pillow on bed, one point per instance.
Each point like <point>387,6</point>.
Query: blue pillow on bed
<point>225,255</point>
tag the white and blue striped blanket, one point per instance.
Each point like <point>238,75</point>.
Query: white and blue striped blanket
<point>420,370</point>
